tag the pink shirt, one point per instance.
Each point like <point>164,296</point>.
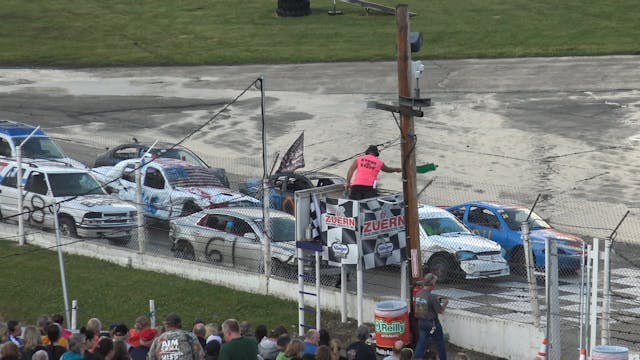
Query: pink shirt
<point>368,167</point>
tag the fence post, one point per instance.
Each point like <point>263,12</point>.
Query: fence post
<point>74,314</point>
<point>531,279</point>
<point>152,312</point>
<point>553,306</point>
<point>606,293</point>
<point>139,207</point>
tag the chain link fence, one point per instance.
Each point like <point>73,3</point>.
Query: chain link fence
<point>233,238</point>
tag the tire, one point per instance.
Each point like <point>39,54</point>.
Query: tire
<point>293,8</point>
<point>189,208</point>
<point>518,263</point>
<point>67,227</point>
<point>442,266</point>
<point>184,250</point>
<point>212,255</point>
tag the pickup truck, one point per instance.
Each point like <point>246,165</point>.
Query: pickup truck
<point>84,208</point>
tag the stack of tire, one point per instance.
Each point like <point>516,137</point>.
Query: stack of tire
<point>293,8</point>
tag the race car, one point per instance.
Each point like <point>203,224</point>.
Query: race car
<point>283,185</point>
<point>170,187</point>
<point>502,224</point>
<point>137,150</point>
<point>450,250</point>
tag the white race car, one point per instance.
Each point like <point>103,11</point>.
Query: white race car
<point>450,250</point>
<point>170,187</point>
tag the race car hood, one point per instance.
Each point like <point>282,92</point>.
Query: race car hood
<point>97,203</point>
<point>217,195</point>
<point>563,239</point>
<point>459,242</point>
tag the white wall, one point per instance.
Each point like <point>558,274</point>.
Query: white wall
<point>488,335</point>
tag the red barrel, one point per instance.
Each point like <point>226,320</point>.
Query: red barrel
<point>392,323</point>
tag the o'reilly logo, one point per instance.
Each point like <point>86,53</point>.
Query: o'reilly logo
<point>392,327</point>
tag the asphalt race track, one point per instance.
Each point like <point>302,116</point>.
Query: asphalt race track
<point>567,127</point>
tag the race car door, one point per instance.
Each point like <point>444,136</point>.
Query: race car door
<point>9,193</point>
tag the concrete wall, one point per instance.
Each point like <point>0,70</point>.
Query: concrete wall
<point>501,338</point>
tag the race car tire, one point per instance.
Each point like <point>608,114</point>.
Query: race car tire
<point>293,8</point>
<point>212,255</point>
<point>184,250</point>
<point>518,263</point>
<point>442,266</point>
<point>67,227</point>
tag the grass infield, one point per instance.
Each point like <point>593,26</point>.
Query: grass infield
<point>195,32</point>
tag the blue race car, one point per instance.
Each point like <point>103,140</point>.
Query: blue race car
<point>502,223</point>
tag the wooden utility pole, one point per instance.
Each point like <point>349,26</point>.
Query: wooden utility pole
<point>408,142</point>
<point>409,105</point>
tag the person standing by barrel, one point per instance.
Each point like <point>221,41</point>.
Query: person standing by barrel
<point>427,308</point>
<point>366,169</point>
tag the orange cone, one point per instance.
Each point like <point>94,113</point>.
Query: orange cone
<point>542,354</point>
<point>583,354</point>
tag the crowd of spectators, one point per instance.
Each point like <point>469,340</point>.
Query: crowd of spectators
<point>48,339</point>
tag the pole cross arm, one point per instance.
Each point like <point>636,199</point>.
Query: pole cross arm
<point>402,109</point>
<point>419,102</point>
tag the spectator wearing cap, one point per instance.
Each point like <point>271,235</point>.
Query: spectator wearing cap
<point>361,350</point>
<point>268,347</point>
<point>366,169</point>
<point>175,343</point>
<point>427,307</point>
<point>120,332</point>
<point>236,346</point>
<point>145,338</point>
<point>139,323</point>
<point>212,350</point>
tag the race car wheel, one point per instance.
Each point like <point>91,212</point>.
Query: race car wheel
<point>184,250</point>
<point>67,227</point>
<point>518,263</point>
<point>441,266</point>
<point>213,255</point>
<point>189,208</point>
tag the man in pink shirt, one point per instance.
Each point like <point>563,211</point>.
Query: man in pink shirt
<point>366,169</point>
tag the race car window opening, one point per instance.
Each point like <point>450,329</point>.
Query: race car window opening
<point>154,179</point>
<point>213,222</point>
<point>36,184</point>
<point>5,148</point>
<point>515,217</point>
<point>126,153</point>
<point>10,179</point>
<point>438,226</point>
<point>39,147</point>
<point>483,217</point>
<point>282,229</point>
<point>74,184</point>
<point>128,174</point>
<point>459,213</point>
